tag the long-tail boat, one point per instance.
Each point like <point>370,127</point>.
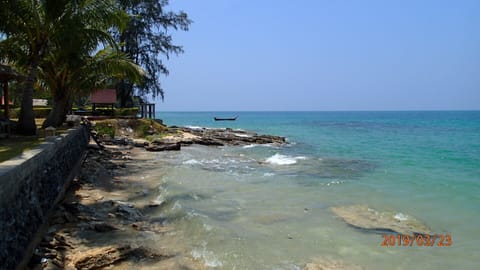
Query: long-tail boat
<point>225,119</point>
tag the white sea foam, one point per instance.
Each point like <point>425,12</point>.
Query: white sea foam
<point>249,146</point>
<point>191,162</point>
<point>176,206</point>
<point>207,227</point>
<point>207,256</point>
<point>400,217</point>
<point>334,183</point>
<point>242,135</point>
<point>268,174</point>
<point>279,159</point>
<point>195,127</point>
<point>160,199</point>
<point>270,145</point>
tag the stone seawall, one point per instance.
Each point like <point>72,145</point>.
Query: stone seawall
<point>30,186</point>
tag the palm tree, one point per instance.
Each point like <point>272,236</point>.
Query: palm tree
<point>77,62</point>
<point>60,37</point>
<point>66,82</point>
<point>26,31</point>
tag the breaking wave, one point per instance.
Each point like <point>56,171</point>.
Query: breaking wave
<point>279,159</point>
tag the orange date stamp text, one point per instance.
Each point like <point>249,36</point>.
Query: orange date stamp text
<point>420,240</point>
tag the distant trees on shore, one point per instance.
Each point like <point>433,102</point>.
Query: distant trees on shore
<point>70,48</point>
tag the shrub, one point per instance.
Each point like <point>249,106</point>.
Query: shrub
<point>41,112</point>
<point>13,113</point>
<point>126,112</point>
<point>143,126</point>
<point>105,127</point>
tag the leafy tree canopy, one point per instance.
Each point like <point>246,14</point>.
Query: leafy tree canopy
<point>146,39</point>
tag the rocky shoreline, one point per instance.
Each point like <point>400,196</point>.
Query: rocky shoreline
<point>96,226</point>
<point>106,221</point>
<point>174,137</point>
<point>221,137</point>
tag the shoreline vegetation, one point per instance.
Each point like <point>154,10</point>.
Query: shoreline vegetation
<point>97,225</point>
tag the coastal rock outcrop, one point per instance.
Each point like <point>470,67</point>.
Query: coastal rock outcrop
<point>156,147</point>
<point>97,258</point>
<point>220,137</point>
<point>97,227</point>
<point>363,217</point>
<point>171,138</point>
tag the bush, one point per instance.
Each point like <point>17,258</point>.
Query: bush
<point>40,112</point>
<point>126,112</point>
<point>107,112</point>
<point>105,128</point>
<point>144,127</point>
<point>13,113</point>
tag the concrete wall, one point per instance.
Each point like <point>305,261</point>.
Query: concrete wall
<point>30,186</point>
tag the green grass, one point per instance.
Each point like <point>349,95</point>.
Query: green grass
<point>105,129</point>
<point>14,146</point>
<point>142,126</point>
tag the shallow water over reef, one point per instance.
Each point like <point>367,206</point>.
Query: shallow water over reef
<point>270,207</point>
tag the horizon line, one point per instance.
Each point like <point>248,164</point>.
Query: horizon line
<point>417,110</point>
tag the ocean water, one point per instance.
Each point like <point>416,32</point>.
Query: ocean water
<point>268,207</point>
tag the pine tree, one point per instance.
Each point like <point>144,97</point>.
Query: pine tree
<point>147,40</point>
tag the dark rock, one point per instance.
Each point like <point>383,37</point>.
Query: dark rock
<point>126,211</point>
<point>210,142</point>
<point>139,142</point>
<point>100,257</point>
<point>154,203</point>
<point>102,227</point>
<point>228,136</point>
<point>164,147</point>
<point>121,140</point>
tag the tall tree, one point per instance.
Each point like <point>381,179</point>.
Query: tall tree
<point>147,40</point>
<point>26,29</point>
<point>66,82</point>
<point>74,62</point>
<point>60,40</point>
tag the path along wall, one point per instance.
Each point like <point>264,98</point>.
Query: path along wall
<point>30,186</point>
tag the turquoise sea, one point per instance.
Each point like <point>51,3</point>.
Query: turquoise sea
<point>268,207</point>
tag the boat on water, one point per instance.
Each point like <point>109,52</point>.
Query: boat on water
<point>225,119</point>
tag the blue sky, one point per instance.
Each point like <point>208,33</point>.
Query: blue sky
<point>325,55</point>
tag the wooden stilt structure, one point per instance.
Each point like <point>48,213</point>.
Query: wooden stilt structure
<point>147,110</point>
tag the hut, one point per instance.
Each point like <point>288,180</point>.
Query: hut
<point>104,98</point>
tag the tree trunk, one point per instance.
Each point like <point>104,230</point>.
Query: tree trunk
<point>26,120</point>
<point>124,94</point>
<point>59,111</point>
